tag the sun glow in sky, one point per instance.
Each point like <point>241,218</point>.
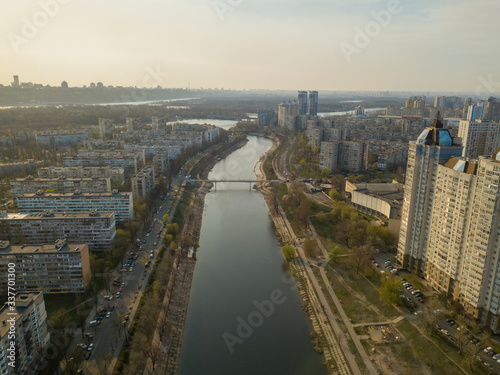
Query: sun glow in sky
<point>439,45</point>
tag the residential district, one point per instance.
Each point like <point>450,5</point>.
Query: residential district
<point>388,218</point>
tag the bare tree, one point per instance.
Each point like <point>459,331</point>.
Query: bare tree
<point>359,256</point>
<point>154,353</point>
<point>310,247</point>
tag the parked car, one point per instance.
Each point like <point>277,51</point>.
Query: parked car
<point>94,322</point>
<point>87,357</point>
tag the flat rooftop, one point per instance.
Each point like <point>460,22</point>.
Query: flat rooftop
<point>74,194</point>
<point>23,299</point>
<point>56,247</point>
<point>56,216</point>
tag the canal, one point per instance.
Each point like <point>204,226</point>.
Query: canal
<point>245,314</point>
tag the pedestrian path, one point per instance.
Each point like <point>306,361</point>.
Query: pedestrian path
<point>394,321</point>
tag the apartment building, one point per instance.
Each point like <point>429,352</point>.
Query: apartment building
<point>395,156</point>
<point>329,155</point>
<point>479,137</point>
<point>56,268</point>
<point>31,332</point>
<point>138,154</point>
<point>97,229</point>
<point>113,173</point>
<point>433,147</point>
<point>128,163</point>
<point>353,156</point>
<point>143,182</point>
<point>60,185</point>
<point>60,139</point>
<point>463,256</point>
<point>118,202</point>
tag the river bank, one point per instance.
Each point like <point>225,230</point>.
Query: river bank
<point>322,337</point>
<point>172,319</point>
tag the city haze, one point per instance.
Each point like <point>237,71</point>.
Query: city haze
<point>237,44</point>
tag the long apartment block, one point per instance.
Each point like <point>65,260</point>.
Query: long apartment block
<point>60,185</point>
<point>98,229</point>
<point>113,173</point>
<point>128,163</point>
<point>56,268</point>
<point>119,202</point>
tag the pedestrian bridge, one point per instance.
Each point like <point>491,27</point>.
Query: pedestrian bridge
<point>232,181</point>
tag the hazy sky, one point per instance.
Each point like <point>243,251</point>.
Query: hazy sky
<point>276,44</point>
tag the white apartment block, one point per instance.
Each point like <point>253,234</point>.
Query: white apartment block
<point>31,333</point>
<point>97,229</point>
<point>480,290</point>
<point>453,193</point>
<point>56,268</point>
<point>118,202</point>
<point>463,256</point>
<point>60,185</point>
<point>479,137</point>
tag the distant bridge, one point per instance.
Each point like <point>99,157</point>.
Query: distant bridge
<point>243,181</point>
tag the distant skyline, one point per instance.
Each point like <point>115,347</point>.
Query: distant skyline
<point>344,45</point>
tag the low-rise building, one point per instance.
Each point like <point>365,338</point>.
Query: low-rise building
<point>378,199</point>
<point>56,268</point>
<point>98,229</point>
<point>24,324</point>
<point>118,202</point>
